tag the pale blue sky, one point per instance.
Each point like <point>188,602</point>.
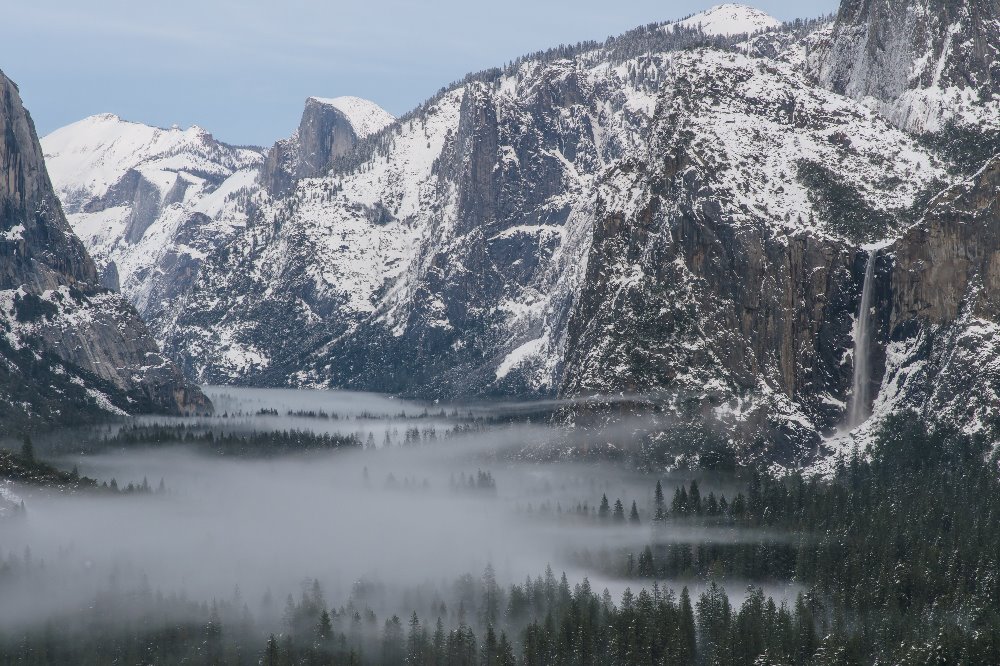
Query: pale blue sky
<point>243,68</point>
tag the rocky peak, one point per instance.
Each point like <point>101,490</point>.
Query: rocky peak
<point>92,161</point>
<point>141,199</point>
<point>329,129</point>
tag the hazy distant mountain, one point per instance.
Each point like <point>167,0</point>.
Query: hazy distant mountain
<point>683,211</point>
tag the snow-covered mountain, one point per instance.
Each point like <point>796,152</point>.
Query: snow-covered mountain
<point>364,116</point>
<point>69,348</point>
<point>729,19</point>
<point>150,204</point>
<point>685,211</point>
<point>589,222</point>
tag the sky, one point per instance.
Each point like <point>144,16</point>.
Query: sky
<point>242,69</point>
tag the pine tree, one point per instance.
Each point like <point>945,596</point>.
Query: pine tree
<point>272,656</point>
<point>659,504</point>
<point>749,627</point>
<point>489,651</point>
<point>439,641</point>
<point>714,615</point>
<point>805,630</point>
<point>491,595</point>
<point>686,628</point>
<point>564,595</point>
<point>679,505</point>
<point>646,566</point>
<point>604,511</point>
<point>325,628</point>
<point>392,641</point>
<point>712,505</point>
<point>289,614</point>
<point>619,513</point>
<point>505,652</point>
<point>414,642</point>
<point>738,507</point>
<point>634,514</point>
<point>469,645</point>
<point>694,498</point>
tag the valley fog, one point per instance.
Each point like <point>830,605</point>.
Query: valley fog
<point>427,504</point>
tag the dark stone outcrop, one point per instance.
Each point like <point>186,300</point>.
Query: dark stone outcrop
<point>950,261</point>
<point>45,253</point>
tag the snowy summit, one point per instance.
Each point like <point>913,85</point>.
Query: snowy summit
<point>730,19</point>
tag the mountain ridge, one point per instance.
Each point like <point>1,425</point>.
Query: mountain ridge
<point>667,212</point>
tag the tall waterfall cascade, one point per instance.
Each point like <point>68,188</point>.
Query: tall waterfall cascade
<point>859,408</point>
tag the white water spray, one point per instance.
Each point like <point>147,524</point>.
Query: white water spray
<point>858,411</point>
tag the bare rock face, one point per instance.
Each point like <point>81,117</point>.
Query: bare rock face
<point>71,347</point>
<point>329,129</point>
<point>727,317</point>
<point>38,246</point>
<point>926,62</point>
<point>950,261</point>
<point>943,351</point>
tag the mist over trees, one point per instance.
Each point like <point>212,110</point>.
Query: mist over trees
<point>878,563</point>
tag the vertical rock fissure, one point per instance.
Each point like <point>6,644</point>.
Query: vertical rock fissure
<point>858,410</point>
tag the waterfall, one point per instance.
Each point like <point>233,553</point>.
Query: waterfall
<point>858,411</point>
